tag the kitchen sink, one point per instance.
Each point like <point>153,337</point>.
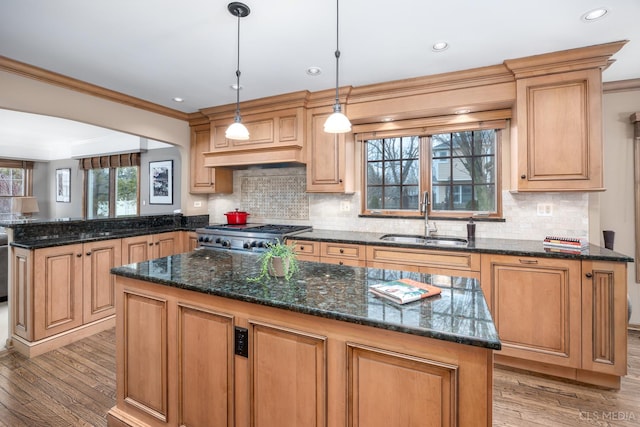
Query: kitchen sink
<point>422,240</point>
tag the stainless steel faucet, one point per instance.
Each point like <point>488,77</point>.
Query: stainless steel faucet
<point>428,229</point>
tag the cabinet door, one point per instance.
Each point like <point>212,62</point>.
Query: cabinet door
<point>57,290</point>
<point>205,371</point>
<point>137,249</point>
<point>535,303</point>
<point>604,317</point>
<point>392,389</point>
<point>99,284</point>
<point>166,244</point>
<point>206,179</point>
<point>329,157</point>
<point>288,377</point>
<point>560,132</point>
<point>192,241</point>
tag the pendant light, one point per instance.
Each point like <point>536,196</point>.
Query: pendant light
<point>237,130</point>
<point>337,122</point>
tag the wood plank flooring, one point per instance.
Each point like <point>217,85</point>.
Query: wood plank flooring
<point>75,386</point>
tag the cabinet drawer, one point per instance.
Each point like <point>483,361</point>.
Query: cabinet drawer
<point>343,251</point>
<point>305,247</point>
<point>433,259</point>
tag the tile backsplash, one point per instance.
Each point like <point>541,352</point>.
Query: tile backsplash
<point>279,196</point>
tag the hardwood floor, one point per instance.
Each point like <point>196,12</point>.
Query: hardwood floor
<point>75,386</point>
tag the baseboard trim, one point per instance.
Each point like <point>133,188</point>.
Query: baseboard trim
<point>31,349</point>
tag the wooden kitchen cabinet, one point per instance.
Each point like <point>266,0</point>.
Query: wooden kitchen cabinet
<point>306,250</point>
<point>330,157</point>
<point>559,142</point>
<point>177,365</point>
<point>343,254</point>
<point>146,247</point>
<point>561,317</point>
<point>206,180</point>
<point>451,263</point>
<point>60,289</point>
<point>604,317</point>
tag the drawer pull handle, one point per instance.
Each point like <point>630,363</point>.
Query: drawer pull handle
<point>341,251</point>
<point>528,261</point>
<point>341,263</point>
<point>302,248</point>
<point>151,244</point>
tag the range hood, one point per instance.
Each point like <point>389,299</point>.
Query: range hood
<point>275,156</point>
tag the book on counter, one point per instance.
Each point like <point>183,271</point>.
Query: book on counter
<point>406,290</point>
<point>566,242</point>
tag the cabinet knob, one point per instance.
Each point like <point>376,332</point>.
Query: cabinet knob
<point>151,244</point>
<point>302,248</point>
<point>341,251</point>
<point>79,255</point>
<point>341,263</point>
<point>588,275</point>
<point>88,253</point>
<point>523,176</point>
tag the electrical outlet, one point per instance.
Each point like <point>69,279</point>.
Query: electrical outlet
<point>345,206</point>
<point>545,209</point>
<point>197,204</point>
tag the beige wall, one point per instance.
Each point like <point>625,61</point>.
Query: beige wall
<point>32,96</point>
<point>617,203</point>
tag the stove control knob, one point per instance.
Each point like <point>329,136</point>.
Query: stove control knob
<point>200,239</point>
<point>205,239</point>
<point>225,243</point>
<point>218,240</point>
<point>260,244</point>
<point>248,245</point>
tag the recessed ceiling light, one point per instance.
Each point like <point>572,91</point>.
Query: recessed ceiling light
<point>178,99</point>
<point>387,119</point>
<point>463,111</point>
<point>314,71</point>
<point>594,14</point>
<point>236,87</point>
<point>440,46</point>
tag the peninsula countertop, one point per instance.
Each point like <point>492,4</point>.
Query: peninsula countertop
<point>459,314</point>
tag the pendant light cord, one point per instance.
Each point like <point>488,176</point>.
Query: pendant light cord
<point>337,49</point>
<point>238,13</point>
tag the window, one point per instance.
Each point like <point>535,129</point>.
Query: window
<point>112,185</point>
<point>15,181</point>
<point>457,165</point>
<point>463,171</point>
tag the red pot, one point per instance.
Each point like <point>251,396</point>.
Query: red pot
<point>237,217</point>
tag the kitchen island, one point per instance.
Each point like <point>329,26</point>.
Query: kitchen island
<point>199,344</point>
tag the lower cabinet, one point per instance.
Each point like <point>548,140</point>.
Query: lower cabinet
<point>558,316</point>
<point>188,359</point>
<point>146,247</point>
<point>61,288</point>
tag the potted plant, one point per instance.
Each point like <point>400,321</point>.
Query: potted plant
<point>278,260</point>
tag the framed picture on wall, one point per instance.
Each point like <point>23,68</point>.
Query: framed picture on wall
<point>63,185</point>
<point>161,182</point>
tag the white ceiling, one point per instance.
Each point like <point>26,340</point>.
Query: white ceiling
<point>160,49</point>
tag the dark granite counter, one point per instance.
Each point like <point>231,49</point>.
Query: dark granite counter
<point>460,314</point>
<point>495,246</point>
<point>48,233</point>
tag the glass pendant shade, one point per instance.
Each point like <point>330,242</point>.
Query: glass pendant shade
<point>237,131</point>
<point>337,122</point>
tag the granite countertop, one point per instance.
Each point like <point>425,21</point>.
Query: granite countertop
<point>65,231</point>
<point>481,245</point>
<point>460,314</point>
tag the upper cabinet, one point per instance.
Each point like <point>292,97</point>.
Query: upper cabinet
<point>330,157</point>
<point>559,120</point>
<point>276,132</point>
<point>205,179</point>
